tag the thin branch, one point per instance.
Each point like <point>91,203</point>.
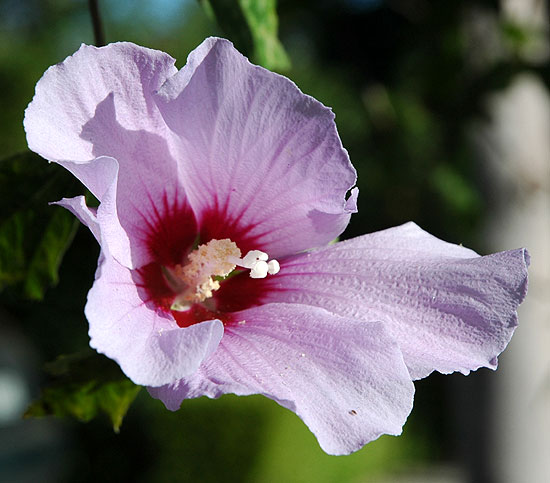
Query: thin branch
<point>99,35</point>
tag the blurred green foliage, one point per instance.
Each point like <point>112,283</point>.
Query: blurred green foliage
<point>406,80</point>
<point>83,385</point>
<point>33,235</point>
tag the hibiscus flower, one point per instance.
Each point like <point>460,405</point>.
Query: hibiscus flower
<point>220,188</point>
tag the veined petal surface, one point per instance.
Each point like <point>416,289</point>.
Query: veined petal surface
<point>448,308</point>
<point>260,157</point>
<point>346,379</point>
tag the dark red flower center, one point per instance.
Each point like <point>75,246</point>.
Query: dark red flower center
<point>171,236</point>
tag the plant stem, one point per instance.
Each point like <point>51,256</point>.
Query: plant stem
<point>99,35</point>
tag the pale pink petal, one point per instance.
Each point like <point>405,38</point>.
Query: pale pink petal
<point>97,105</point>
<point>103,175</point>
<point>144,340</point>
<point>68,94</point>
<point>346,379</point>
<point>87,216</point>
<point>100,173</point>
<point>146,189</point>
<point>258,157</point>
<point>448,308</point>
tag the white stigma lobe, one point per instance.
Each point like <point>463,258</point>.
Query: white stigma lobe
<point>257,262</point>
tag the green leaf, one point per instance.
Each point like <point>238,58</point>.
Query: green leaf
<point>84,385</point>
<point>454,188</point>
<point>252,25</point>
<point>33,235</point>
